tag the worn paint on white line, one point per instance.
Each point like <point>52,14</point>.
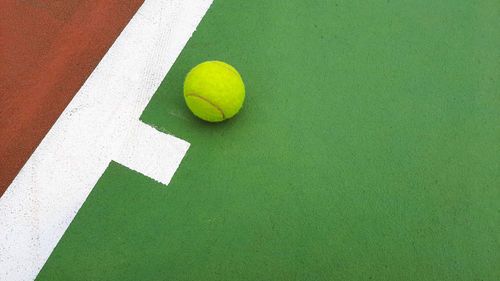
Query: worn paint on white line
<point>100,124</point>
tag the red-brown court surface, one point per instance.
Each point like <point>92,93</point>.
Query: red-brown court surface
<point>49,48</point>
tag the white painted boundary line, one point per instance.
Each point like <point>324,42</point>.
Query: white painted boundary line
<point>151,153</point>
<point>99,125</point>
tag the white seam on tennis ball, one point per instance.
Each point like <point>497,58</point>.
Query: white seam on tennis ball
<point>211,103</point>
<point>225,66</point>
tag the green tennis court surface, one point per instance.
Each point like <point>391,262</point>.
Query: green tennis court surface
<point>367,149</point>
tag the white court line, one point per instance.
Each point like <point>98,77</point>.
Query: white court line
<point>100,124</point>
<point>151,153</point>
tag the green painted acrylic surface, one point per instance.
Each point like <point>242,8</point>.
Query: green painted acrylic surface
<point>368,148</point>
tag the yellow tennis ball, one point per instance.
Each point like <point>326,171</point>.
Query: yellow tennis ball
<point>214,91</point>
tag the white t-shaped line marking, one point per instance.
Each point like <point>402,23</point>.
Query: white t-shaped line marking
<point>100,124</point>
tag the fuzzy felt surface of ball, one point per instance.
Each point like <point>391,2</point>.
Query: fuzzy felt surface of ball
<point>214,91</point>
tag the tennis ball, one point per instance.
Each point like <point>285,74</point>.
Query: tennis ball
<point>214,91</point>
